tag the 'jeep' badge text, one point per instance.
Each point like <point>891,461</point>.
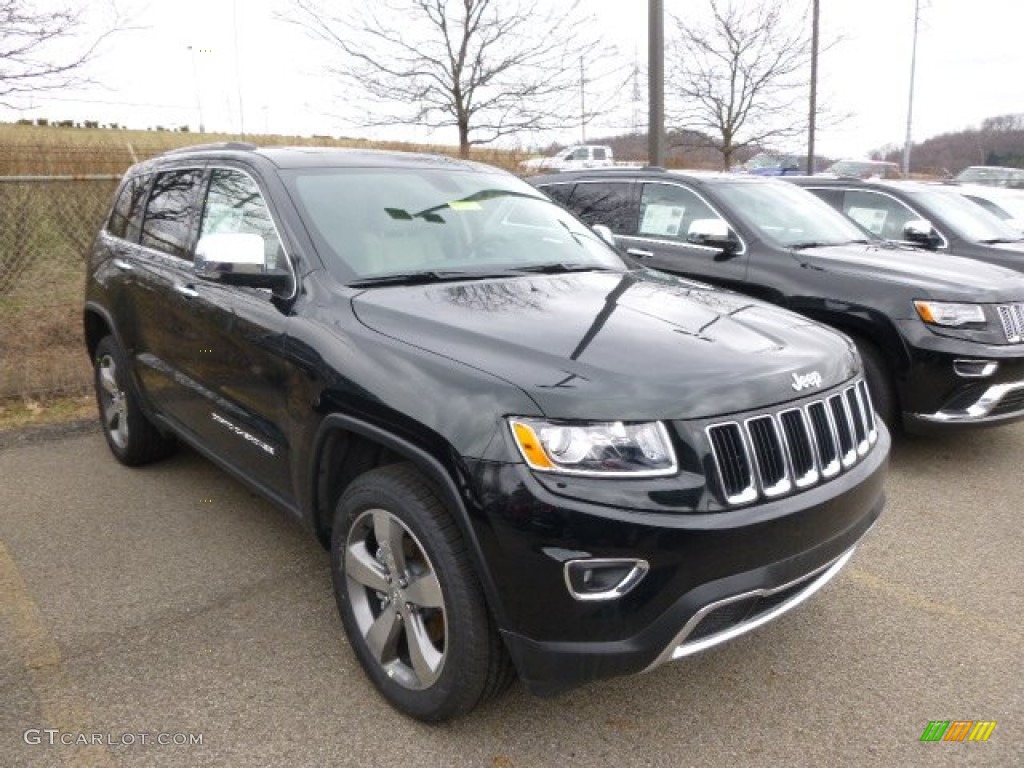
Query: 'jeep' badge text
<point>812,379</point>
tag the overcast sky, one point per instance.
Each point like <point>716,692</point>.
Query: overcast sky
<point>969,67</point>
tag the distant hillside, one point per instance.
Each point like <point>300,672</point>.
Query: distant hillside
<point>999,141</point>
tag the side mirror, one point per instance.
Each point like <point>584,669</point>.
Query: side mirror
<point>237,258</point>
<point>713,233</point>
<point>920,231</point>
<point>605,234</point>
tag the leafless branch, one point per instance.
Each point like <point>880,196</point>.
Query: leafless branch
<point>489,69</point>
<point>30,61</point>
<point>741,80</point>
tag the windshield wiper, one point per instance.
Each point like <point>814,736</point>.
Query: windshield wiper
<point>558,268</point>
<point>998,240</point>
<point>809,244</point>
<point>426,277</point>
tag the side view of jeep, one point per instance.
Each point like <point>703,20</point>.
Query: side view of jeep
<point>528,457</point>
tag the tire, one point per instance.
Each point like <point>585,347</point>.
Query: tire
<point>452,658</point>
<point>131,436</point>
<point>880,383</point>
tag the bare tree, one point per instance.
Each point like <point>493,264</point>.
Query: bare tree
<point>489,68</point>
<point>44,50</point>
<point>742,79</point>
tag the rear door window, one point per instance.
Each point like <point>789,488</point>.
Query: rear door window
<point>606,202</point>
<point>170,213</point>
<point>126,218</point>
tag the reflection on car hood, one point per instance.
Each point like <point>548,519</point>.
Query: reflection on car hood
<point>611,345</point>
<point>939,273</point>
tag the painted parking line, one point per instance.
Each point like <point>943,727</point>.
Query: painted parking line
<point>60,705</point>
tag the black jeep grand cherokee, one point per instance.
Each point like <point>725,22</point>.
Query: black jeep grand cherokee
<point>526,455</point>
<point>942,338</point>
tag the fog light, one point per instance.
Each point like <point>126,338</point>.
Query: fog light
<point>975,369</point>
<point>603,579</point>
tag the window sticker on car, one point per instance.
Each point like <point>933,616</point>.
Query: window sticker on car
<point>662,219</point>
<point>872,219</point>
<point>464,205</point>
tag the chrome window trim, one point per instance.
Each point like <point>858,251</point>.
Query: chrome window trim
<point>945,242</point>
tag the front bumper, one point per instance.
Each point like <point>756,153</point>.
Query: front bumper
<point>712,575</point>
<point>953,382</point>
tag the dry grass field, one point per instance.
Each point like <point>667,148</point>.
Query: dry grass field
<point>49,150</point>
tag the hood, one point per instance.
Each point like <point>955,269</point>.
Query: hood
<point>942,275</point>
<point>616,345</point>
<point>1014,248</point>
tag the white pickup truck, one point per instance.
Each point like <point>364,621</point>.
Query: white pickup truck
<point>571,159</point>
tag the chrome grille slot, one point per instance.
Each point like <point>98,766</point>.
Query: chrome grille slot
<point>769,457</point>
<point>733,462</point>
<point>869,410</point>
<point>824,439</point>
<point>841,421</point>
<point>799,446</point>
<point>1012,318</point>
<point>770,454</point>
<point>860,429</point>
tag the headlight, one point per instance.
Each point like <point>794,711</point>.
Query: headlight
<point>604,449</point>
<point>952,315</point>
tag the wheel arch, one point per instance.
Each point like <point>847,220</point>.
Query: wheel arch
<point>872,327</point>
<point>341,436</point>
<point>97,323</point>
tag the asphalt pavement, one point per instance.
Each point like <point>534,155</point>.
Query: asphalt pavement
<point>171,605</point>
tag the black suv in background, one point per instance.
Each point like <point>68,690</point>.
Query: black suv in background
<point>942,338</point>
<point>933,216</point>
<point>526,454</point>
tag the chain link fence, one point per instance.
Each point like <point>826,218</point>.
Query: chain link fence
<point>47,224</point>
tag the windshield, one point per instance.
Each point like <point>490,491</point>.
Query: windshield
<point>968,220</point>
<point>789,216</point>
<point>379,222</point>
<point>992,175</point>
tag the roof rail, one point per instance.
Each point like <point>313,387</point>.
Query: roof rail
<point>236,145</point>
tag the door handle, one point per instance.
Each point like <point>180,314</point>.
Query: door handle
<point>639,254</point>
<point>186,290</point>
<point>123,265</point>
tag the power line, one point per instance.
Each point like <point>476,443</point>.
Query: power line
<point>113,103</point>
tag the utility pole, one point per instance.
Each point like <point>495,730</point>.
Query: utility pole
<point>583,106</point>
<point>656,86</point>
<point>813,107</point>
<point>195,78</point>
<point>910,98</point>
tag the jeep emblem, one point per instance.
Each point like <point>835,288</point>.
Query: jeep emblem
<point>812,379</point>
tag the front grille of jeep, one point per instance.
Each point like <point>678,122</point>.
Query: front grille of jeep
<point>768,455</point>
<point>1012,318</point>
